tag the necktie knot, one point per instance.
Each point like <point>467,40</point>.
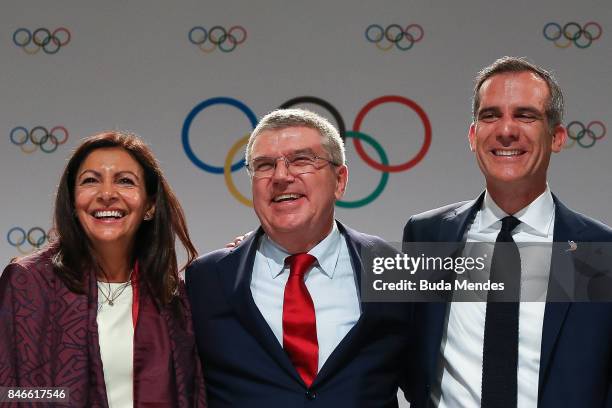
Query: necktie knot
<point>509,223</point>
<point>299,263</point>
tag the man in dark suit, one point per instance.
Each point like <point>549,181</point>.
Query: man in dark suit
<point>526,354</point>
<point>279,320</point>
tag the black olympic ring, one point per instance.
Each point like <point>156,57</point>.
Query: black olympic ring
<point>218,37</point>
<point>41,38</point>
<point>313,100</point>
<point>576,131</point>
<point>41,138</point>
<point>35,236</point>
<point>394,34</point>
<point>572,32</point>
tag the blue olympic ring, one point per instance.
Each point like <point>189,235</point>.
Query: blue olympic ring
<point>191,116</point>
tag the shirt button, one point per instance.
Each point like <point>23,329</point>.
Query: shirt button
<point>311,394</point>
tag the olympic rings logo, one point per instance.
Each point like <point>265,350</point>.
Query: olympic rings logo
<point>35,237</point>
<point>41,38</point>
<point>394,35</point>
<point>217,37</point>
<point>572,32</point>
<point>38,138</point>
<point>383,165</point>
<point>585,136</point>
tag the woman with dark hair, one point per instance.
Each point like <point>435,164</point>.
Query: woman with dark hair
<point>101,310</point>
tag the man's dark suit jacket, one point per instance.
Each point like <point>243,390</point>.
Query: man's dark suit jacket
<point>244,364</point>
<point>576,354</point>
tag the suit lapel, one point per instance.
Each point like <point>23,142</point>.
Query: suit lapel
<point>452,229</point>
<point>351,343</point>
<point>455,223</point>
<point>235,271</point>
<point>567,227</point>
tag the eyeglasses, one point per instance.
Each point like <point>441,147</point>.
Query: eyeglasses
<point>297,163</point>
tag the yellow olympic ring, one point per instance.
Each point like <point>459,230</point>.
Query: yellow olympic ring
<point>570,144</point>
<point>386,48</point>
<point>558,44</point>
<point>227,171</point>
<point>34,248</point>
<point>208,50</point>
<point>32,50</point>
<point>28,151</point>
<point>26,251</point>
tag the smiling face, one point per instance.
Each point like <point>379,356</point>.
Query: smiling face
<point>110,199</point>
<point>296,211</point>
<point>511,137</point>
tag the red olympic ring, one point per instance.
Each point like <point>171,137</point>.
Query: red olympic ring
<point>601,125</point>
<point>67,34</point>
<point>397,167</point>
<point>595,24</point>
<point>419,28</point>
<point>243,35</point>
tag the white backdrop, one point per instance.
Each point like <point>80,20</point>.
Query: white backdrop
<point>130,65</point>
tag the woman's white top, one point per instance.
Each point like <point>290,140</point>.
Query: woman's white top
<point>116,336</point>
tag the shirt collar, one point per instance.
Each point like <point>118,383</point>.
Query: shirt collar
<point>535,218</point>
<point>327,253</point>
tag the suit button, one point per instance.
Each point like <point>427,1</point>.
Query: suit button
<point>310,394</point>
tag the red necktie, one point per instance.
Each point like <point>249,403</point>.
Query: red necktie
<point>299,321</point>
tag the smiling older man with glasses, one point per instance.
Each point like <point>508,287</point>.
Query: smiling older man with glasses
<point>279,320</point>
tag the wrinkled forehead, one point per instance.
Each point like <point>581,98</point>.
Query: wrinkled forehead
<point>523,87</point>
<point>288,140</point>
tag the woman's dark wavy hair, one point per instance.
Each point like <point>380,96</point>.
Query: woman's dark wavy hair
<point>154,246</point>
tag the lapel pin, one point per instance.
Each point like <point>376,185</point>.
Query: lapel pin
<point>572,246</point>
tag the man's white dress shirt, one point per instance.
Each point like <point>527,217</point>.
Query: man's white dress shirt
<point>460,365</point>
<point>331,283</point>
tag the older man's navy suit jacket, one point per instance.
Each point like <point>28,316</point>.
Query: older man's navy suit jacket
<point>244,364</point>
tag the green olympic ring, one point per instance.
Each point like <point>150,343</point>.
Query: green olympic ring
<point>384,174</point>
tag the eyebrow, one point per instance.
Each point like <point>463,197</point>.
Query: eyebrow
<point>299,151</point>
<point>98,174</point>
<point>530,109</point>
<point>521,109</point>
